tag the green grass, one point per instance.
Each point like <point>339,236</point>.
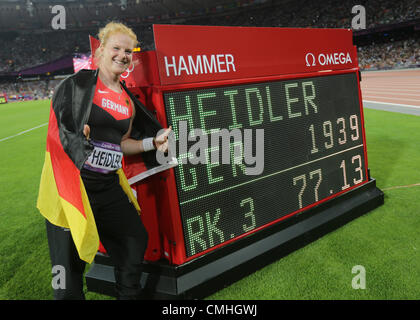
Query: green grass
<point>384,241</point>
<point>23,244</point>
<point>20,116</point>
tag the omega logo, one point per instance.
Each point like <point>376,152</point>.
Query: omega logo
<point>327,59</point>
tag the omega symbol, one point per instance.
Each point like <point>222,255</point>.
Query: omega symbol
<point>307,59</point>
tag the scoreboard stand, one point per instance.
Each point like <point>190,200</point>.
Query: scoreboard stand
<point>211,223</point>
<point>207,274</point>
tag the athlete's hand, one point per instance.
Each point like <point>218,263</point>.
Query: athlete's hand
<point>161,141</point>
<point>86,131</point>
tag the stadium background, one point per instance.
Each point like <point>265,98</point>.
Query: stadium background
<point>34,58</point>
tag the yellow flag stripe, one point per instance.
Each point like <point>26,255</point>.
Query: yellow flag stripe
<point>62,213</point>
<point>127,189</point>
<point>49,203</point>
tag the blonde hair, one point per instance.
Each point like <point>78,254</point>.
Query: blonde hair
<point>110,29</point>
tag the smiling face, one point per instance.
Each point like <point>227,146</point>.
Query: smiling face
<point>116,54</point>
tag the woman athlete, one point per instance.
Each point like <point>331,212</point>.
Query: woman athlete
<point>110,113</point>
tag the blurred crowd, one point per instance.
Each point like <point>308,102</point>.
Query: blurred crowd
<point>321,14</point>
<point>29,90</point>
<point>391,55</point>
<point>26,50</point>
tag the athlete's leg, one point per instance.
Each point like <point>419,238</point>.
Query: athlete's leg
<point>124,237</point>
<point>65,259</point>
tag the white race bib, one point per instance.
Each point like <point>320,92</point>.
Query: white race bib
<point>105,158</point>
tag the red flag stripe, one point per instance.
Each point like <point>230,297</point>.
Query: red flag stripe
<point>67,175</point>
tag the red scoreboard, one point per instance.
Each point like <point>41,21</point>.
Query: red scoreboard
<point>298,170</point>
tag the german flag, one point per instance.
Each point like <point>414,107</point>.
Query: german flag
<point>62,197</point>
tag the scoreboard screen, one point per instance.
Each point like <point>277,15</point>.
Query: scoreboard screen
<point>312,150</point>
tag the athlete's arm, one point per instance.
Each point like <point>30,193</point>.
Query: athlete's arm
<point>131,146</point>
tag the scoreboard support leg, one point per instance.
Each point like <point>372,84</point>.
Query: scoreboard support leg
<point>207,274</point>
